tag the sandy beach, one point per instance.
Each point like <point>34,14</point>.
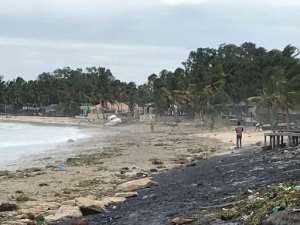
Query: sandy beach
<point>96,167</point>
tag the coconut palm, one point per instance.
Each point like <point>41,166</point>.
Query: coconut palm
<point>278,93</point>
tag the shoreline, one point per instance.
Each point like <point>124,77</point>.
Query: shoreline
<point>57,153</point>
<point>50,121</point>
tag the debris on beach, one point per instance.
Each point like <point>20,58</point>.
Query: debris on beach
<point>270,205</point>
<point>6,207</point>
<point>181,220</point>
<point>113,120</point>
<point>289,216</point>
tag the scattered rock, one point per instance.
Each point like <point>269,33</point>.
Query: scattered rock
<point>181,220</point>
<point>65,211</point>
<point>89,206</point>
<point>136,185</point>
<point>126,194</point>
<point>259,143</point>
<point>156,161</point>
<point>140,174</point>
<point>67,191</point>
<point>161,167</point>
<point>124,170</point>
<point>213,149</point>
<point>71,141</point>
<point>43,184</point>
<point>5,207</point>
<point>23,198</point>
<point>153,170</point>
<point>112,200</point>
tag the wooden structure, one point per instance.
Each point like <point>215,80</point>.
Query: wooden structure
<point>277,138</point>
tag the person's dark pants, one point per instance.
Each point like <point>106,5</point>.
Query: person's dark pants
<point>239,141</point>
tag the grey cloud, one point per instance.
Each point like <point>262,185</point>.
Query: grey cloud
<point>127,62</point>
<point>137,39</point>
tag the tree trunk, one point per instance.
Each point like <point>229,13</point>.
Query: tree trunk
<point>287,118</point>
<point>272,122</point>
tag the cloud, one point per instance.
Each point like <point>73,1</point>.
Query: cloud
<point>134,37</point>
<point>30,57</point>
<point>111,8</point>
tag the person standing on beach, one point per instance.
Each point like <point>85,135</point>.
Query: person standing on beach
<point>239,134</point>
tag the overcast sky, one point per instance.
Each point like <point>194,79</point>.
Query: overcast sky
<point>134,38</point>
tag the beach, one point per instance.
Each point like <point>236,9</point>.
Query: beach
<point>96,167</point>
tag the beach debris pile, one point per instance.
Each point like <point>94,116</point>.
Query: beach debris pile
<point>271,205</point>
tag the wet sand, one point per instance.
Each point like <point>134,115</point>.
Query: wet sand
<point>130,152</point>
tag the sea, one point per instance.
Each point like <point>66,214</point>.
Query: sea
<point>18,140</point>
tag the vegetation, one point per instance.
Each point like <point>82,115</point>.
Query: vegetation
<point>217,78</point>
<point>69,89</point>
<point>208,82</point>
<point>254,208</point>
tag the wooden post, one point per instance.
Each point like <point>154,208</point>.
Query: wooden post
<point>265,140</point>
<point>293,140</point>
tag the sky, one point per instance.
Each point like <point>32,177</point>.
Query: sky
<point>134,38</point>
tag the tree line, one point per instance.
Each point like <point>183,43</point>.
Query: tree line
<point>209,81</point>
<point>67,88</point>
<point>214,80</point>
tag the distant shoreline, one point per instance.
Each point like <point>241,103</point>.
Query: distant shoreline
<point>49,121</point>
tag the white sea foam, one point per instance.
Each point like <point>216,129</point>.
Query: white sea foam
<point>17,140</point>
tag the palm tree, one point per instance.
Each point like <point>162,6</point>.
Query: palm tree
<point>278,94</point>
<point>215,97</point>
